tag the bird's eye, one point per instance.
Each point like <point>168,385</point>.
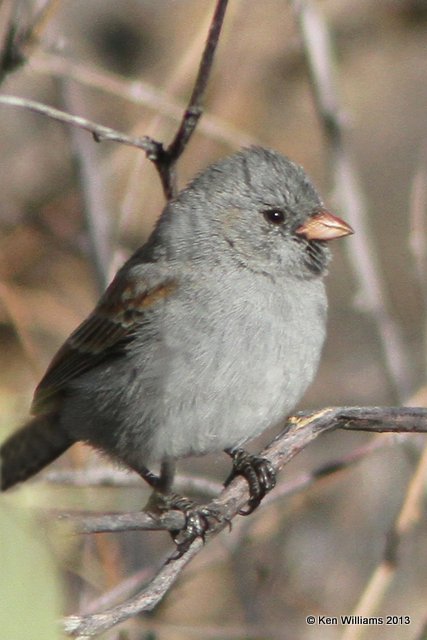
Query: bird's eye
<point>274,216</point>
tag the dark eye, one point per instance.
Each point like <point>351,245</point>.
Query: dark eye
<point>274,216</point>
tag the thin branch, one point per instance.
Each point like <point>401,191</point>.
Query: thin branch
<point>86,523</point>
<point>166,160</point>
<point>123,589</point>
<point>112,477</point>
<point>145,600</point>
<point>98,131</point>
<point>299,431</point>
<point>372,295</point>
<point>133,521</point>
<point>373,419</point>
<point>194,107</point>
<point>175,83</point>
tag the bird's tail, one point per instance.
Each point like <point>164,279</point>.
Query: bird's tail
<point>31,448</point>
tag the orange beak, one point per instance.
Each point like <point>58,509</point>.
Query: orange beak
<point>323,225</point>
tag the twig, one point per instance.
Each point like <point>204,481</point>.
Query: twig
<point>373,419</point>
<point>299,431</point>
<point>164,159</point>
<point>98,131</point>
<point>372,290</point>
<point>111,477</point>
<point>167,158</point>
<point>175,83</point>
<point>133,521</point>
<point>145,600</point>
<point>121,590</point>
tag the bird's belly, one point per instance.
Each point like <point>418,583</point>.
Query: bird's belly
<point>222,389</point>
<point>214,383</point>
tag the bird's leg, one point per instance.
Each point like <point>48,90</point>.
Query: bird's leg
<point>258,472</point>
<point>162,499</point>
<point>167,475</point>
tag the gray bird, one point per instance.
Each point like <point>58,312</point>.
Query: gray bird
<point>208,335</point>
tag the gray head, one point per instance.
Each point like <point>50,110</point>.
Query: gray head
<point>252,207</point>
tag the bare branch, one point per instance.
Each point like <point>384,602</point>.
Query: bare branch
<point>373,419</point>
<point>299,431</point>
<point>194,107</point>
<point>167,158</point>
<point>164,159</point>
<point>134,521</point>
<point>112,477</point>
<point>98,131</point>
<point>145,600</point>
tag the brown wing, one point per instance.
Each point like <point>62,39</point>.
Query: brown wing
<point>108,329</point>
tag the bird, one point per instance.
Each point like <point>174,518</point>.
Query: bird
<point>209,334</point>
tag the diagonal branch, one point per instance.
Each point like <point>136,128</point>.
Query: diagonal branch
<point>167,158</point>
<point>298,432</point>
<point>164,159</point>
<point>194,107</point>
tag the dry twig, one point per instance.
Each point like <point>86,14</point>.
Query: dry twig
<point>299,431</point>
<point>164,159</point>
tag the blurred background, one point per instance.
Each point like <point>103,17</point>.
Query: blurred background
<point>131,66</point>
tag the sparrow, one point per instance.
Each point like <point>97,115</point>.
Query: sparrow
<point>209,334</point>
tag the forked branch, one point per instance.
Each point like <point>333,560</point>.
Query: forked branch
<point>298,432</point>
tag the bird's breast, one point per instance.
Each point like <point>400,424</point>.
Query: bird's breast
<point>236,360</point>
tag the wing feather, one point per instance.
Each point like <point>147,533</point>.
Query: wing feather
<point>104,334</point>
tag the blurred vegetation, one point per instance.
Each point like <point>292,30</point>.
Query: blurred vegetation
<point>29,583</point>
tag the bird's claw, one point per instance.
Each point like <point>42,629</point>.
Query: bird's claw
<point>258,472</point>
<point>197,523</point>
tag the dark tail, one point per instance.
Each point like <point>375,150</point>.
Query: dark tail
<point>31,448</point>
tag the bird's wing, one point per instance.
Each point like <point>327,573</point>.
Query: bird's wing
<point>105,333</point>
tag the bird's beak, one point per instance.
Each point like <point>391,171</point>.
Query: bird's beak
<point>323,225</point>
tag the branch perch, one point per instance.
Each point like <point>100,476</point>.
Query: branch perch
<point>163,158</point>
<point>298,432</point>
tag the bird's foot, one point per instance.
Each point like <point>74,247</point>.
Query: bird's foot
<point>198,519</point>
<point>258,472</point>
